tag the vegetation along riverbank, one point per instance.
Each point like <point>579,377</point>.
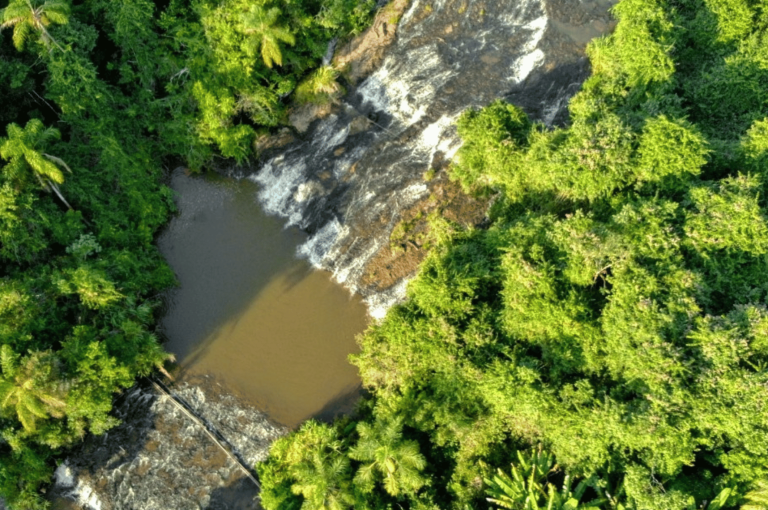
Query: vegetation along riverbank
<point>97,96</point>
<point>603,342</point>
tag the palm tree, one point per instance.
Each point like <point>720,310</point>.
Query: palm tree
<point>387,455</point>
<point>261,24</point>
<point>323,480</point>
<point>529,489</point>
<point>21,148</point>
<point>26,16</point>
<point>320,86</point>
<point>757,498</point>
<point>31,388</point>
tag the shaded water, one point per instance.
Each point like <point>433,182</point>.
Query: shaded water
<point>248,312</point>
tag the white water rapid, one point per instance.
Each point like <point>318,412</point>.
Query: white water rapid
<point>347,188</point>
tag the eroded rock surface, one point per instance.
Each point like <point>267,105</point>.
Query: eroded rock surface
<point>160,458</point>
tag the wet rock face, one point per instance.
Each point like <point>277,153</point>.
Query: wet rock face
<point>160,458</point>
<point>358,168</point>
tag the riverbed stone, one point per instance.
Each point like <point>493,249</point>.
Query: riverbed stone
<point>184,467</point>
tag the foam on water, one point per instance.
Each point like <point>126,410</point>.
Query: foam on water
<point>418,93</point>
<point>181,469</point>
<point>278,185</point>
<point>399,89</point>
<point>319,246</point>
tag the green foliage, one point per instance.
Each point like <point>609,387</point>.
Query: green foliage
<point>319,87</point>
<point>642,24</point>
<point>727,216</point>
<point>387,457</point>
<point>528,488</point>
<point>670,151</point>
<point>31,388</point>
<point>27,16</point>
<point>757,498</point>
<point>501,127</point>
<point>309,465</point>
<point>261,26</point>
<point>21,149</point>
<point>614,310</point>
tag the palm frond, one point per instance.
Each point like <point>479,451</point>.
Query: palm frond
<point>43,167</point>
<point>15,13</point>
<point>270,52</point>
<point>261,24</point>
<point>757,498</point>
<point>10,21</point>
<point>8,361</point>
<point>58,161</point>
<point>27,418</point>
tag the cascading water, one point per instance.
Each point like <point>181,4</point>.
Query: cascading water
<point>160,458</point>
<point>346,182</point>
<point>347,188</point>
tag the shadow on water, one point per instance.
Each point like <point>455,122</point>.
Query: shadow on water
<point>292,275</point>
<point>247,311</point>
<point>239,495</point>
<point>223,250</point>
<point>342,404</point>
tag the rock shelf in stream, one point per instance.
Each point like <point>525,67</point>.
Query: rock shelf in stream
<point>160,458</point>
<point>355,172</point>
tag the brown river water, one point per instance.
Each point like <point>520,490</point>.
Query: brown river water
<point>251,315</point>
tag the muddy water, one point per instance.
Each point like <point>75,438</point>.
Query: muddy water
<point>248,312</point>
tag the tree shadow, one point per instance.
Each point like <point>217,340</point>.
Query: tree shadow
<point>241,494</point>
<point>544,96</point>
<point>343,404</point>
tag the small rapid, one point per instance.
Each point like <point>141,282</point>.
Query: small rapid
<point>160,458</point>
<point>348,186</point>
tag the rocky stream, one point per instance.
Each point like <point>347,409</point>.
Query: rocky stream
<point>346,174</point>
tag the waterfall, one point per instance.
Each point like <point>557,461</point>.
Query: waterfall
<point>348,187</point>
<point>347,182</point>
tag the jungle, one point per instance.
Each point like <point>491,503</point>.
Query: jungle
<point>99,100</point>
<point>602,343</point>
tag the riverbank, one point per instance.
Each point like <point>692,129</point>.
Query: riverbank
<point>377,160</point>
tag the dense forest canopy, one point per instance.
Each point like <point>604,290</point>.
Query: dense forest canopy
<point>98,97</point>
<point>603,343</point>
